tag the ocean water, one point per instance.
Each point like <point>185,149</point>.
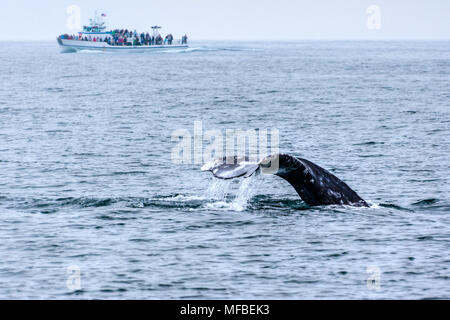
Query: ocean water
<point>92,204</point>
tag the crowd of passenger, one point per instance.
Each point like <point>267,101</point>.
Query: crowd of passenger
<point>124,37</point>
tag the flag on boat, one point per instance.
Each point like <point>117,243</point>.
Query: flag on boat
<point>103,15</point>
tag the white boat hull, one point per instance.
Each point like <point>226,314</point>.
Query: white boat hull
<point>78,45</point>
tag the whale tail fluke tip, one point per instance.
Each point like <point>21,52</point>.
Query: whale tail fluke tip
<point>231,167</point>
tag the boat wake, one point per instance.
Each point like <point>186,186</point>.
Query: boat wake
<point>209,49</point>
<point>160,51</point>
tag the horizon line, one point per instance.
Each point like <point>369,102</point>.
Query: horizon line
<point>267,40</point>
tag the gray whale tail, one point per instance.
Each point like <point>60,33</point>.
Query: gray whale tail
<point>314,184</point>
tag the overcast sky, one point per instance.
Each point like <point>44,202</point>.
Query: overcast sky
<point>238,19</point>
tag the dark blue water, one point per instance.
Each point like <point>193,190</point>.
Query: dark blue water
<point>87,180</point>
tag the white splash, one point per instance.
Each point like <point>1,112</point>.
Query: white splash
<point>246,191</point>
<point>218,190</point>
<point>180,197</point>
<point>373,205</point>
<point>232,194</point>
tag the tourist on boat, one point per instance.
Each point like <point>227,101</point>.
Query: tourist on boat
<point>168,39</point>
<point>126,37</point>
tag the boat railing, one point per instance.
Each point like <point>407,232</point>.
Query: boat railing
<point>129,42</point>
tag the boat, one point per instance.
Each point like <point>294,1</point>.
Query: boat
<point>95,37</point>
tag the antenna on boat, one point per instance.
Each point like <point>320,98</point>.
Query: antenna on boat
<point>155,30</point>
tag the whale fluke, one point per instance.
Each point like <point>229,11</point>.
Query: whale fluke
<point>314,184</point>
<point>231,167</point>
